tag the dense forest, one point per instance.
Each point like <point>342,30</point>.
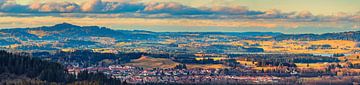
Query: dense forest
<point>88,58</point>
<point>17,69</point>
<point>352,35</point>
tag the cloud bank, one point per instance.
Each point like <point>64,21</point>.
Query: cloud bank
<point>133,9</point>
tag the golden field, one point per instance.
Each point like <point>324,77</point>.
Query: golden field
<point>354,59</point>
<point>311,65</point>
<point>38,33</point>
<point>213,58</point>
<point>247,63</point>
<point>291,46</point>
<point>148,63</point>
<point>206,66</point>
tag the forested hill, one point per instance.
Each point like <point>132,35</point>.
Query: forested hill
<point>23,70</point>
<point>352,35</point>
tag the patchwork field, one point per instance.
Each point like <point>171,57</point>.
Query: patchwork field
<point>247,63</point>
<point>291,46</point>
<point>354,59</point>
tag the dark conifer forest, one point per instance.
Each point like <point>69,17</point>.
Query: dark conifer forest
<point>18,69</point>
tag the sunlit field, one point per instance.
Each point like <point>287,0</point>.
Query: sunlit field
<point>149,63</point>
<point>292,46</point>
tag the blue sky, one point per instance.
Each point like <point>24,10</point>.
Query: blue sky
<point>288,16</point>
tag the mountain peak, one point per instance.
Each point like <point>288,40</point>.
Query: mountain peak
<point>65,25</point>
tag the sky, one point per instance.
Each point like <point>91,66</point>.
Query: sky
<point>287,16</point>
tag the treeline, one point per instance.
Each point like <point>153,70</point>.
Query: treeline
<point>352,35</point>
<point>290,58</point>
<point>194,61</point>
<point>29,70</point>
<point>87,57</point>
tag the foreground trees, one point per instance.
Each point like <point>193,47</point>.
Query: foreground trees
<point>24,70</point>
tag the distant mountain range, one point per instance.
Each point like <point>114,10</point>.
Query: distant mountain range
<point>68,35</point>
<point>64,30</point>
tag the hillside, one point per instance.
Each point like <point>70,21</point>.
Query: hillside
<point>67,35</point>
<point>148,63</point>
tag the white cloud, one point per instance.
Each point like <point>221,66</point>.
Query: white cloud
<point>91,5</point>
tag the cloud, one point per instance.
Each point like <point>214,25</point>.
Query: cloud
<point>3,1</point>
<point>304,14</point>
<point>12,7</point>
<point>172,8</point>
<point>135,9</point>
<point>121,6</point>
<point>235,10</point>
<point>65,7</point>
<point>274,13</point>
<point>355,26</point>
<point>356,17</point>
<point>110,6</point>
<point>91,5</point>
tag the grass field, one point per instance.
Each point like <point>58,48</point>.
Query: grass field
<point>206,66</point>
<point>291,46</point>
<point>264,68</point>
<point>311,65</point>
<point>247,63</point>
<point>148,63</point>
<point>354,59</point>
<point>38,33</point>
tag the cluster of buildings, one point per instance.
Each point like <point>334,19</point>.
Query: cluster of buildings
<point>136,75</point>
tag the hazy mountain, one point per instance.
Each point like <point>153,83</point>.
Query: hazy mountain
<point>69,31</point>
<point>66,35</point>
<point>61,31</point>
<point>71,35</point>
